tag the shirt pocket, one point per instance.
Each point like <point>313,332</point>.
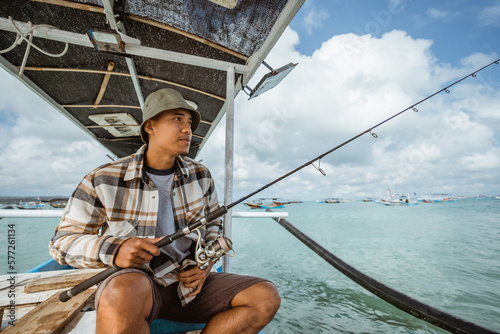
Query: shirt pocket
<point>122,228</point>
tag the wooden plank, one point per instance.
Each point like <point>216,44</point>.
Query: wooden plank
<point>226,3</point>
<point>99,106</point>
<point>23,279</point>
<point>26,299</point>
<point>50,316</point>
<point>75,5</point>
<point>57,282</point>
<point>21,311</point>
<point>104,84</point>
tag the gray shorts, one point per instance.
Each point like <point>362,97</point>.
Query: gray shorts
<point>215,296</point>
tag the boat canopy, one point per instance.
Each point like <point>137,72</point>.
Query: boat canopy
<point>97,60</point>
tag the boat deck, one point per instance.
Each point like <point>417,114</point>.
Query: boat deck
<point>35,296</point>
<point>24,293</point>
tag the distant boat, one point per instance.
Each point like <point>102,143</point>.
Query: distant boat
<point>481,197</point>
<point>437,198</point>
<point>368,199</point>
<point>497,197</point>
<point>398,199</point>
<point>291,201</point>
<point>37,205</point>
<point>58,203</point>
<point>264,203</point>
<point>255,204</point>
<point>274,205</point>
<point>330,200</point>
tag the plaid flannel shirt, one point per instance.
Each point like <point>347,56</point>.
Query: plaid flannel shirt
<point>118,201</point>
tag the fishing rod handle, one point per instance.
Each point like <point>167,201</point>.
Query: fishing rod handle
<point>68,294</point>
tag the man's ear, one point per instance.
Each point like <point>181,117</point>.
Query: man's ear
<point>148,126</point>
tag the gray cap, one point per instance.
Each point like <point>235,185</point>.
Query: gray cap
<point>162,100</point>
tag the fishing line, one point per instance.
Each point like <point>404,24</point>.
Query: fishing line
<point>67,295</point>
<point>369,130</point>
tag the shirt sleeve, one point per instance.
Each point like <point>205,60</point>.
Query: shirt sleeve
<point>76,240</point>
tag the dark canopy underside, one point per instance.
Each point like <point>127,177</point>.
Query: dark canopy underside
<point>193,27</point>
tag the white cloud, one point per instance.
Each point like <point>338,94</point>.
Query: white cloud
<point>348,85</point>
<point>314,19</point>
<point>482,161</point>
<point>490,16</point>
<point>436,13</point>
<point>41,152</point>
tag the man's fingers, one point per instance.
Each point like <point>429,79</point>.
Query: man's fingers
<point>144,255</point>
<point>154,240</point>
<point>148,246</point>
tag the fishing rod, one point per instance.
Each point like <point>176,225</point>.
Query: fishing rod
<point>67,295</point>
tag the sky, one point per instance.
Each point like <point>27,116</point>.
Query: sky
<point>359,62</point>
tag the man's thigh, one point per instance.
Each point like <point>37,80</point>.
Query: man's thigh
<point>149,288</point>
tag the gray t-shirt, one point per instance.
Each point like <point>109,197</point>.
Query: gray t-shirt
<point>163,179</point>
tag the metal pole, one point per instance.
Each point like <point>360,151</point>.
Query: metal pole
<point>228,184</point>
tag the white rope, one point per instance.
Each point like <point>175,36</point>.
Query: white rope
<point>28,37</point>
<point>108,20</point>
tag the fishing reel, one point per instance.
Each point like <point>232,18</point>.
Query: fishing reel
<point>213,252</point>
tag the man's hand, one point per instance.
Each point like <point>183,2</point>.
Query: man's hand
<point>195,277</point>
<point>136,251</point>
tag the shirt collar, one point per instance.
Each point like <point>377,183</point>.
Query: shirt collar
<point>136,165</point>
<point>182,167</point>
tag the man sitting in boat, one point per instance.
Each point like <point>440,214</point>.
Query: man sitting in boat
<point>121,209</point>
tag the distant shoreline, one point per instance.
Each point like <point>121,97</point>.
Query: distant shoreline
<point>17,199</point>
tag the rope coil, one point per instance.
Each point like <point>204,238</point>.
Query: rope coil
<point>28,38</point>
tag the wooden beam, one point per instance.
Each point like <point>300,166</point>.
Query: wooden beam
<point>75,5</point>
<point>104,84</point>
<point>99,106</point>
<point>96,9</point>
<point>226,3</point>
<point>79,70</point>
<point>51,316</point>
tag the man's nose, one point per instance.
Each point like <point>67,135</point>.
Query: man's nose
<point>186,128</point>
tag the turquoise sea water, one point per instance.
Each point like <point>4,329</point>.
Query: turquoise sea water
<point>444,254</point>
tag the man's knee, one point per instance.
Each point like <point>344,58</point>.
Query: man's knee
<point>268,298</point>
<point>127,290</point>
<point>262,297</point>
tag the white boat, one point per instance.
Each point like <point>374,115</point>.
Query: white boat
<point>396,199</point>
<point>33,205</point>
<point>333,200</point>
